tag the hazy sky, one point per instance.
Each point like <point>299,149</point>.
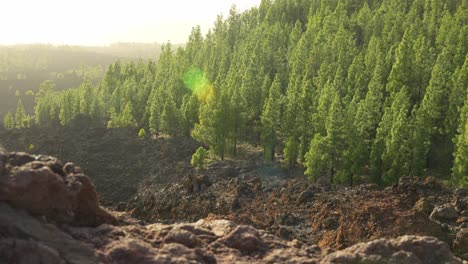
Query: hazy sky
<point>100,22</point>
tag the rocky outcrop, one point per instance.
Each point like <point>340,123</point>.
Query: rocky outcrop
<point>460,245</point>
<point>40,185</point>
<point>402,250</point>
<point>335,217</point>
<point>444,213</point>
<point>49,214</point>
<point>28,239</point>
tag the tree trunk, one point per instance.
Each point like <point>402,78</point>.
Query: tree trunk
<point>332,170</point>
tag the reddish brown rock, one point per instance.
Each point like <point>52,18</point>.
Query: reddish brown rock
<point>39,187</point>
<point>3,159</point>
<point>183,237</point>
<point>402,250</point>
<point>444,213</point>
<point>424,205</point>
<point>22,251</point>
<point>218,227</point>
<point>243,238</point>
<point>38,242</point>
<point>460,245</point>
<point>17,159</point>
<point>27,239</point>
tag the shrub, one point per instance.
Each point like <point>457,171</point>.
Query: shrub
<point>142,133</point>
<point>198,158</point>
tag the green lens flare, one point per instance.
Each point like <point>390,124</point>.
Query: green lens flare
<point>195,80</point>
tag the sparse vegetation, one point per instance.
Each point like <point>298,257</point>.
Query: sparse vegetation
<point>142,133</point>
<point>199,158</point>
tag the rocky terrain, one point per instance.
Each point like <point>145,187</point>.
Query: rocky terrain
<point>151,180</point>
<point>115,159</point>
<point>49,213</point>
<point>332,217</point>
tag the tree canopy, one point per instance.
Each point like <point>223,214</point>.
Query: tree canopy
<point>353,90</point>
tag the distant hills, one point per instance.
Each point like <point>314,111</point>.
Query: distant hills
<point>24,67</point>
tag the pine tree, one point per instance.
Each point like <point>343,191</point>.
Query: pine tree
<point>170,117</point>
<point>458,91</point>
<point>21,118</point>
<point>237,119</point>
<point>460,166</point>
<point>366,120</point>
<point>67,108</point>
<point>429,119</point>
<point>391,153</point>
<point>271,119</point>
<point>317,156</point>
<point>291,151</point>
<point>9,121</point>
<point>212,129</point>
<point>335,124</point>
<point>45,100</point>
<point>85,97</point>
<point>198,158</point>
<point>190,110</point>
<point>142,133</point>
<point>123,119</point>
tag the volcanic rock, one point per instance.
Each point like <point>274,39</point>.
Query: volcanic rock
<point>244,238</point>
<point>444,213</point>
<point>460,245</point>
<point>402,250</point>
<point>37,187</point>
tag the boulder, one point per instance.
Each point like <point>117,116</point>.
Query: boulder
<point>3,160</point>
<point>21,251</point>
<point>16,159</point>
<point>218,227</point>
<point>244,238</point>
<point>461,192</point>
<point>402,250</point>
<point>130,251</point>
<point>424,205</point>
<point>305,196</point>
<point>26,239</point>
<point>70,168</point>
<point>444,213</point>
<point>460,245</point>
<point>460,203</point>
<point>183,237</point>
<point>38,187</point>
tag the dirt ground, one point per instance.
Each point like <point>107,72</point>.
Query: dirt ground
<point>152,180</point>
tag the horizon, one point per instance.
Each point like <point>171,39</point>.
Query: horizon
<point>106,45</point>
<point>104,23</point>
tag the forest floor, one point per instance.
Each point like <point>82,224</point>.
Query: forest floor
<point>152,180</point>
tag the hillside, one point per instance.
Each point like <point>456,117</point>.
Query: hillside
<point>117,160</point>
<point>358,91</point>
<point>297,131</point>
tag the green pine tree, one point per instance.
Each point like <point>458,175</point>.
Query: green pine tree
<point>460,166</point>
<point>271,119</point>
<point>9,121</point>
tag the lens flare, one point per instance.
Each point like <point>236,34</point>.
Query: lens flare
<point>196,81</point>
